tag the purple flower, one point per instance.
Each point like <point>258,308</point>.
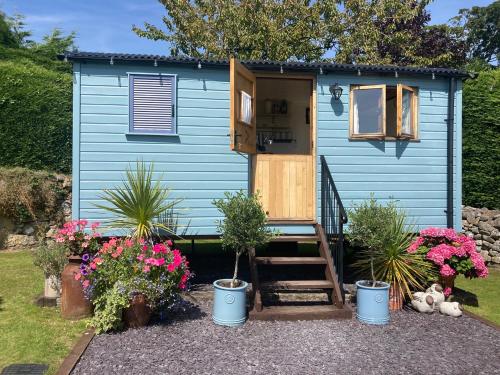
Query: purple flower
<point>85,257</point>
<point>84,272</point>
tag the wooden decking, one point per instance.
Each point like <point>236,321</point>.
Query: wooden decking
<point>326,282</point>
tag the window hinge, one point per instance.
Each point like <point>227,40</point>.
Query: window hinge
<point>173,110</point>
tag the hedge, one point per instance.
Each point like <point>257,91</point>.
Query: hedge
<point>35,115</point>
<point>481,140</point>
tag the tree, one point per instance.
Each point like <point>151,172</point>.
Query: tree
<point>55,44</point>
<point>481,26</point>
<point>396,32</point>
<point>247,29</point>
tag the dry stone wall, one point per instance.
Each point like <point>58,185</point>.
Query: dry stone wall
<point>483,225</point>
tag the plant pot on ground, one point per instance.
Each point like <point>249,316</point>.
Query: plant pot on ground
<point>242,230</point>
<point>138,313</point>
<point>51,259</point>
<point>384,236</point>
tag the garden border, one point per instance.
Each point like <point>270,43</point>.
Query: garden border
<point>482,320</point>
<point>73,357</point>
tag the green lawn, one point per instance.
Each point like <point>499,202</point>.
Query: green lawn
<point>480,296</point>
<point>28,333</point>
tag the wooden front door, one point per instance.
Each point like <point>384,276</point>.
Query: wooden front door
<point>285,184</point>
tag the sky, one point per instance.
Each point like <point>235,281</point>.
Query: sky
<point>105,25</point>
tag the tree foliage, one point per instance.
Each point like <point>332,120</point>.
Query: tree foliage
<point>481,140</point>
<point>481,27</point>
<point>248,29</point>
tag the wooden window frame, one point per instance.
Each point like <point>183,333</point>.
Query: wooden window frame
<point>414,114</point>
<point>399,110</point>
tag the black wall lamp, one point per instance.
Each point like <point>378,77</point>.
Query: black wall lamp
<point>336,91</point>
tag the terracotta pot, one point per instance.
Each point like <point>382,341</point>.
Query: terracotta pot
<point>138,313</point>
<point>74,305</point>
<point>395,298</point>
<point>447,281</point>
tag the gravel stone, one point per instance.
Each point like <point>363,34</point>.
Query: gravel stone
<point>190,343</point>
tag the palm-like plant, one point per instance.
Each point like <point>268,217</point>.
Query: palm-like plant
<point>392,263</point>
<point>138,203</point>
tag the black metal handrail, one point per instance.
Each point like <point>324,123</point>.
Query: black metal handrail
<point>333,218</point>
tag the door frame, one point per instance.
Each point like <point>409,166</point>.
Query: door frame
<point>313,132</point>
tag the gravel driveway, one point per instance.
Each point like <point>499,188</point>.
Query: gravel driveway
<point>191,344</point>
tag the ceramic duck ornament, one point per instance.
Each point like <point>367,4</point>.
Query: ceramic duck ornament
<point>436,291</point>
<point>423,302</point>
<point>451,309</point>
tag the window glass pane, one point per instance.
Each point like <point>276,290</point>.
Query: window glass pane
<point>246,108</point>
<point>406,126</point>
<point>368,111</point>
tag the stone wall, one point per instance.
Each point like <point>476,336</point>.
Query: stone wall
<point>484,226</point>
<point>26,234</point>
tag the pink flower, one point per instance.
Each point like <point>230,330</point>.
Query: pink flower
<point>151,261</point>
<point>112,242</point>
<point>159,262</point>
<point>140,258</point>
<point>446,270</point>
<point>78,276</point>
<point>415,245</point>
<point>98,260</point>
<point>93,226</point>
<point>159,248</point>
<point>146,269</point>
<point>171,267</point>
<point>86,284</point>
<point>447,291</point>
<point>129,243</point>
<point>93,266</point>
<point>85,245</point>
<point>83,223</point>
<point>177,260</point>
<point>71,238</point>
<point>170,243</point>
<point>59,239</point>
<point>144,248</point>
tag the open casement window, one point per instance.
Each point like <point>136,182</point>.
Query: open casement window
<point>242,124</point>
<point>383,112</point>
<point>406,112</point>
<point>367,119</point>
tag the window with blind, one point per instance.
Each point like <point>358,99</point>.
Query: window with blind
<point>152,104</point>
<point>383,112</point>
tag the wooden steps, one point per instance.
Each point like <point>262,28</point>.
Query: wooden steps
<point>297,238</point>
<point>298,284</point>
<point>301,313</point>
<point>277,261</point>
<point>305,308</point>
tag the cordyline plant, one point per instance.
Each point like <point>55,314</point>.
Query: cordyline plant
<point>138,204</point>
<point>244,225</point>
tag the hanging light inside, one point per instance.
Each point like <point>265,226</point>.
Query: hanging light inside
<point>359,72</point>
<point>336,91</point>
<point>320,70</point>
<point>155,63</point>
<point>396,74</point>
<point>433,75</point>
<point>199,64</point>
<point>65,58</point>
<point>111,61</point>
<point>281,69</point>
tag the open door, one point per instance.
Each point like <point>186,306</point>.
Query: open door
<point>242,109</point>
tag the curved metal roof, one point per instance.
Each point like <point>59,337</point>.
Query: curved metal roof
<point>268,65</point>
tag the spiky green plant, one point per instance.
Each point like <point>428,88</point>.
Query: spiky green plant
<point>138,203</point>
<point>392,263</point>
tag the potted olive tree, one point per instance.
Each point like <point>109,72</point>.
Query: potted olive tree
<point>242,230</point>
<point>368,227</point>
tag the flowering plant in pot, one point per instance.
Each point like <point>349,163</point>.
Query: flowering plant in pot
<point>128,279</point>
<point>450,253</point>
<point>76,237</point>
<point>242,230</point>
<point>51,258</point>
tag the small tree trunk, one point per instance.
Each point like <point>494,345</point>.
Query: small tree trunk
<point>374,282</point>
<point>235,275</point>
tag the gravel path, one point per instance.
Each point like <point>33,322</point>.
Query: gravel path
<point>191,344</point>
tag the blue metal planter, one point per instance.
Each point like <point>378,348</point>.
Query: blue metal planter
<point>230,304</point>
<point>372,302</point>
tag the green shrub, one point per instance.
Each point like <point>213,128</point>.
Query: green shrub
<point>35,115</point>
<point>51,260</point>
<point>25,194</point>
<point>481,140</point>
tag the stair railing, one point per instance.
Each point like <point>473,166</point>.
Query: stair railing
<point>333,218</point>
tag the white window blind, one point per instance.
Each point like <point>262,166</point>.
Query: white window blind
<point>152,103</point>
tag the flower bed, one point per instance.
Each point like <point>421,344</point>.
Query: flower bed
<point>451,253</point>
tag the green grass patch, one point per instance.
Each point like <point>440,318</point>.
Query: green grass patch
<point>30,334</point>
<point>480,296</point>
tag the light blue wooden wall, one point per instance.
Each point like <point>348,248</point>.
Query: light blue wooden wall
<point>198,165</point>
<point>414,173</point>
